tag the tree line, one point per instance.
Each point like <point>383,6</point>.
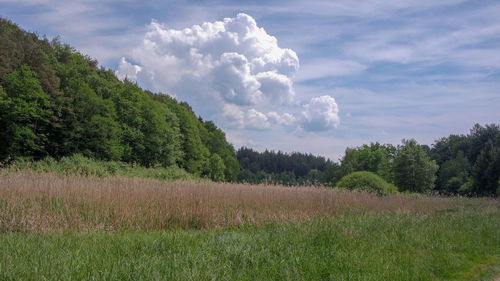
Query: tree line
<point>56,102</point>
<point>457,164</point>
<point>282,168</point>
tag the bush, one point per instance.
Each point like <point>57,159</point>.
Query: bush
<point>80,165</point>
<point>367,181</point>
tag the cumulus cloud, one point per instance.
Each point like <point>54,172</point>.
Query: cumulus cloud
<point>320,114</point>
<point>256,120</point>
<point>285,119</point>
<point>127,70</point>
<point>230,70</point>
<point>235,59</point>
<point>253,119</point>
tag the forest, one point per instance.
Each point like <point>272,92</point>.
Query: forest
<point>56,102</point>
<point>457,164</point>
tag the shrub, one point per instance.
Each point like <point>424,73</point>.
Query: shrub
<point>81,165</point>
<point>366,181</point>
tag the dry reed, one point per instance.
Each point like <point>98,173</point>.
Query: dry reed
<point>45,202</point>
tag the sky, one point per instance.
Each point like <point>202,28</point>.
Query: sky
<point>308,76</point>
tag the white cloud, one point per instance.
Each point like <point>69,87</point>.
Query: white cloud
<point>233,116</point>
<point>286,119</point>
<point>128,70</point>
<point>234,82</point>
<point>256,120</point>
<point>278,86</point>
<point>231,64</point>
<point>253,119</point>
<point>320,114</point>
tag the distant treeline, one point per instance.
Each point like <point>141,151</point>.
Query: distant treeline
<point>283,168</point>
<point>457,164</point>
<point>56,102</point>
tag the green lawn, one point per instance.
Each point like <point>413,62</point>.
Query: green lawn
<point>460,244</point>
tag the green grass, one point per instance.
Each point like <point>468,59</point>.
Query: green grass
<point>461,244</point>
<point>80,165</point>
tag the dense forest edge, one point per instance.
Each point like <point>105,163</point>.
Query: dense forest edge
<point>454,165</point>
<point>59,109</point>
<point>56,102</point>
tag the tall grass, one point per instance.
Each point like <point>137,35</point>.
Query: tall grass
<point>66,226</point>
<point>48,202</point>
<point>463,244</point>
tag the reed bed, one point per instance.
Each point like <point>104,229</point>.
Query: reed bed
<point>49,202</point>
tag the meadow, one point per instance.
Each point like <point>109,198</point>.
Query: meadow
<point>56,226</point>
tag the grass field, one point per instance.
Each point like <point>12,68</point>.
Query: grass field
<point>55,227</point>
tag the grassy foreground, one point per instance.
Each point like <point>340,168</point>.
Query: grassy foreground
<point>457,245</point>
<point>56,227</point>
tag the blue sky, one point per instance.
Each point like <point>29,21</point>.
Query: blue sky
<point>309,76</point>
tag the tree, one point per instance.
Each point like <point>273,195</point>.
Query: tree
<point>195,152</point>
<point>216,168</point>
<point>314,177</point>
<point>486,171</point>
<point>479,137</point>
<point>454,174</point>
<point>215,140</point>
<point>374,158</point>
<point>467,162</point>
<point>279,167</point>
<point>90,127</point>
<point>330,174</point>
<point>25,113</point>
<point>413,169</point>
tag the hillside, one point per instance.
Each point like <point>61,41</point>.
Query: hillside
<point>56,102</point>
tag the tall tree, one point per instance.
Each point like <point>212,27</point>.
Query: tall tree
<point>25,113</point>
<point>413,169</point>
<point>216,168</point>
<point>486,170</point>
<point>453,174</point>
<point>375,158</point>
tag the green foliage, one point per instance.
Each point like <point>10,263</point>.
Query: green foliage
<point>367,181</point>
<point>375,158</point>
<point>91,128</point>
<point>454,173</point>
<point>413,169</point>
<point>215,140</point>
<point>216,168</point>
<point>283,168</point>
<point>22,48</point>
<point>195,152</point>
<point>150,130</point>
<point>314,176</point>
<point>24,114</point>
<point>468,163</point>
<point>80,165</point>
<point>330,174</point>
<point>486,170</point>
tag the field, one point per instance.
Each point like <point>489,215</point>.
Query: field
<point>71,227</point>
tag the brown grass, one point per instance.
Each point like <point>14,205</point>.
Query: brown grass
<point>44,202</point>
